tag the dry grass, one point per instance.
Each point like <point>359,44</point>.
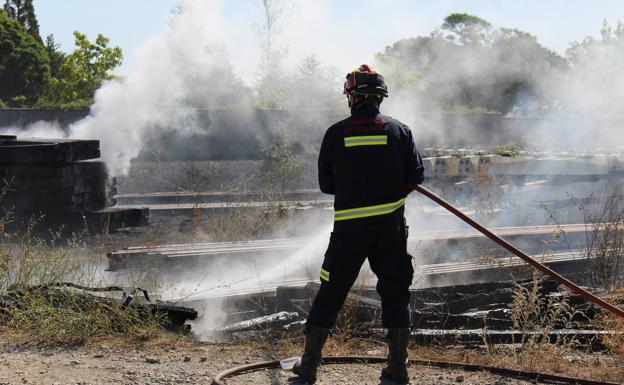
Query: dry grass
<point>554,359</point>
<point>46,317</point>
<point>251,223</point>
<point>557,359</point>
<point>535,316</point>
<point>488,193</point>
<point>35,311</point>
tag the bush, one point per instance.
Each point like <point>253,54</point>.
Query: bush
<point>281,169</point>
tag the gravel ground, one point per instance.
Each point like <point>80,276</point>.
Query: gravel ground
<point>365,374</point>
<point>98,365</point>
<point>193,363</point>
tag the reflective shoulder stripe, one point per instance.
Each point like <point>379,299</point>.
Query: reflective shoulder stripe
<point>325,275</point>
<point>368,211</point>
<point>371,140</point>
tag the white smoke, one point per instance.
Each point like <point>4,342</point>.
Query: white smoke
<point>183,66</point>
<point>41,129</point>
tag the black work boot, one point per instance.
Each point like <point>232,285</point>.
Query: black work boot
<point>396,368</point>
<point>311,359</point>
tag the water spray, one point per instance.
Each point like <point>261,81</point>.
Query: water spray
<point>519,253</point>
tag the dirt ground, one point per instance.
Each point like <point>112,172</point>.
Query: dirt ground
<point>189,362</point>
<point>364,374</point>
<point>104,364</point>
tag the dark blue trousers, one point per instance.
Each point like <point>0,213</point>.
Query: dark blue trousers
<point>386,249</point>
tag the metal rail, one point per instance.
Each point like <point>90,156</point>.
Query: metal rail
<point>512,249</point>
<point>498,263</point>
<point>294,243</point>
<point>218,379</point>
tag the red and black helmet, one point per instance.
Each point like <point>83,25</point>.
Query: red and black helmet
<point>364,80</point>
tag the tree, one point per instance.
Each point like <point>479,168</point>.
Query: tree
<point>212,83</point>
<point>56,56</point>
<point>595,81</point>
<point>82,72</point>
<point>23,12</point>
<point>466,64</point>
<point>271,78</point>
<point>466,29</point>
<point>314,86</point>
<point>24,64</point>
<point>609,47</point>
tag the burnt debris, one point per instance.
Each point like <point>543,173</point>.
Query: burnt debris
<point>472,314</point>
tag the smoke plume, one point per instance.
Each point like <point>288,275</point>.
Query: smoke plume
<point>184,67</point>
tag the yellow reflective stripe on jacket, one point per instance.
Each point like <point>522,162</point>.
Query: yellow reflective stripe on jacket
<point>325,275</point>
<point>368,211</point>
<point>372,140</point>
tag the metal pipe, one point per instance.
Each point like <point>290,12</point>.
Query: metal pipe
<point>218,379</point>
<point>512,249</point>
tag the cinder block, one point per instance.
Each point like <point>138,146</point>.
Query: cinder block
<point>468,165</point>
<point>463,189</point>
<point>616,163</point>
<point>552,166</point>
<point>429,164</point>
<point>447,166</point>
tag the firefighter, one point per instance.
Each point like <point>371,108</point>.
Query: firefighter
<point>370,164</point>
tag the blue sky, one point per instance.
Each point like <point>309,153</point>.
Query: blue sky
<point>340,32</point>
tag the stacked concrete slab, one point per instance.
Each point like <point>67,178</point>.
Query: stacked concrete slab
<point>552,166</point>
<point>61,188</point>
<point>59,183</point>
<point>464,163</point>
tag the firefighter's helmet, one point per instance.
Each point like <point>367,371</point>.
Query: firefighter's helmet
<point>365,80</point>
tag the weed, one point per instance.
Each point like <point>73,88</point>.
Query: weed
<point>614,342</point>
<point>511,150</point>
<point>34,310</point>
<point>53,316</point>
<point>535,316</point>
<point>488,194</point>
<point>605,242</point>
<point>281,168</point>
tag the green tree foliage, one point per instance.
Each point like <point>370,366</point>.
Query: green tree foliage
<point>56,56</point>
<point>466,64</point>
<point>82,72</point>
<point>466,29</point>
<point>281,168</point>
<point>23,12</point>
<point>24,64</point>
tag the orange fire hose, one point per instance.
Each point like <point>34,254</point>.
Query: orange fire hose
<point>512,249</point>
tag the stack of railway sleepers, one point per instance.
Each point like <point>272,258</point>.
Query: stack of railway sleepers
<point>52,177</point>
<point>58,183</point>
<point>55,188</point>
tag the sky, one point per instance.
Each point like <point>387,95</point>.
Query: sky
<point>342,33</point>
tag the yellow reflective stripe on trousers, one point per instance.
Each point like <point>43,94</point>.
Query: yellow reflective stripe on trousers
<point>368,211</point>
<point>373,140</point>
<point>325,275</point>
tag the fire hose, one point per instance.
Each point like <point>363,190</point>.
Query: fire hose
<point>514,250</point>
<point>218,380</point>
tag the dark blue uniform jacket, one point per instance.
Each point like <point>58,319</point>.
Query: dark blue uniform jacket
<point>368,175</point>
